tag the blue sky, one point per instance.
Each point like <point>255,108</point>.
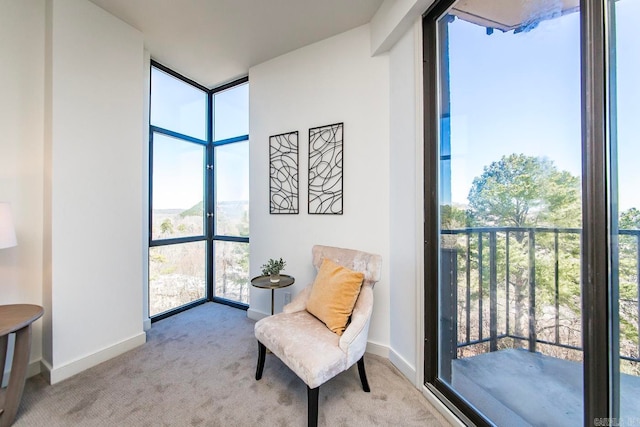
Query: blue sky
<point>520,93</point>
<point>178,165</point>
<point>510,93</point>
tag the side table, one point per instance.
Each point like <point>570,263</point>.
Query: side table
<point>15,318</point>
<point>264,282</point>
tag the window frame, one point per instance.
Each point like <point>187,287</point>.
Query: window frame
<point>598,391</point>
<point>209,187</point>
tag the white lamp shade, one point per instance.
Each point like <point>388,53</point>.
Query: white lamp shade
<point>7,231</point>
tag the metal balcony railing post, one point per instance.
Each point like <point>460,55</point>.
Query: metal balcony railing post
<point>480,273</point>
<point>449,305</point>
<point>506,284</point>
<point>493,293</point>
<point>468,293</point>
<point>532,291</point>
<point>557,283</point>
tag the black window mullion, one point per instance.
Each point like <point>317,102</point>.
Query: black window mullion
<point>178,76</point>
<point>210,200</point>
<point>231,140</point>
<point>229,85</point>
<point>432,48</point>
<point>150,195</point>
<point>224,238</point>
<point>177,135</point>
<point>176,240</point>
<point>596,273</point>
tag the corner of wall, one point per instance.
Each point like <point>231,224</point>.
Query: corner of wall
<point>404,367</point>
<point>377,349</point>
<point>256,315</point>
<point>392,20</point>
<point>60,373</point>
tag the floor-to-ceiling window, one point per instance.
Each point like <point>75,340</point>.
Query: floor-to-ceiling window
<point>231,192</point>
<point>199,198</point>
<point>532,245</point>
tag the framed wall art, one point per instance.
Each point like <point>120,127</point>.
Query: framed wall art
<point>283,173</point>
<point>326,169</point>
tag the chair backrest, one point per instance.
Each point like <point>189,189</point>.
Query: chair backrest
<point>369,264</point>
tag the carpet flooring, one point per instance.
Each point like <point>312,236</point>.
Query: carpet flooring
<point>198,369</point>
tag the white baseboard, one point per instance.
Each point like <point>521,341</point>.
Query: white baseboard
<point>256,315</point>
<point>32,370</point>
<point>377,349</point>
<point>403,366</point>
<point>58,373</point>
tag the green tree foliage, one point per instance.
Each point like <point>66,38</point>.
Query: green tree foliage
<point>522,191</point>
<point>452,217</point>
<point>628,281</point>
<point>629,219</point>
<point>166,227</point>
<point>525,192</point>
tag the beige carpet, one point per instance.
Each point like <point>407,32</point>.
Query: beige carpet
<point>198,369</point>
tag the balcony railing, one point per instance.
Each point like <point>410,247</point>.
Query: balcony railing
<point>530,279</point>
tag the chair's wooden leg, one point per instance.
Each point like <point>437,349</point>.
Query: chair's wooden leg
<point>363,375</point>
<point>312,414</point>
<point>262,350</point>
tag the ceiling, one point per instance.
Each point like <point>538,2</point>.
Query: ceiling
<point>216,41</point>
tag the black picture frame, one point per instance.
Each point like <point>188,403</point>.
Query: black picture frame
<point>326,149</point>
<point>283,174</point>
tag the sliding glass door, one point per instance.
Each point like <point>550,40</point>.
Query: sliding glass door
<point>532,244</point>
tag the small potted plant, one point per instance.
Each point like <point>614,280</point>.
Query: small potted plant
<point>272,268</point>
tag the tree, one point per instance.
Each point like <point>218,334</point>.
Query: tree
<point>628,286</point>
<point>523,191</point>
<point>166,227</point>
<point>629,219</point>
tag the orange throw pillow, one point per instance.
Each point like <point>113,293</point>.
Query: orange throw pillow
<point>333,295</point>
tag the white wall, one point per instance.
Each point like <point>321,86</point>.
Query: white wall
<point>392,21</point>
<point>92,201</point>
<point>406,202</point>
<point>93,187</point>
<point>21,153</point>
<point>335,80</point>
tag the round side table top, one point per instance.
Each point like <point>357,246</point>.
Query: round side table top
<point>16,316</point>
<point>264,282</point>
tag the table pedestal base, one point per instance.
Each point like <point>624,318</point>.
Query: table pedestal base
<point>10,397</point>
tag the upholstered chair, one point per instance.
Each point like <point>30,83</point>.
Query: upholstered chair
<point>306,345</point>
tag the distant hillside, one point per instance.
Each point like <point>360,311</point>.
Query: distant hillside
<point>195,210</point>
<point>232,208</point>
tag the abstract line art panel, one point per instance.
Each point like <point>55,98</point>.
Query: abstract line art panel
<point>325,169</point>
<point>283,173</point>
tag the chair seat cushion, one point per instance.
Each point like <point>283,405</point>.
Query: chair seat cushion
<point>304,344</point>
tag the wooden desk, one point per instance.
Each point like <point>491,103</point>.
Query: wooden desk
<point>15,318</point>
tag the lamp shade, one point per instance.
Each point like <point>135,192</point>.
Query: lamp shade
<point>7,231</point>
